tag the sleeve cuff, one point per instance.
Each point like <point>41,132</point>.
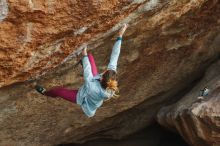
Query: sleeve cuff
<point>84,58</point>
<point>119,38</point>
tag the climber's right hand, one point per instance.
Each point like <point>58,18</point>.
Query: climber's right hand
<point>84,52</point>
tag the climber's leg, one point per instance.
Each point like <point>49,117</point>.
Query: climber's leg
<point>93,65</point>
<point>64,93</point>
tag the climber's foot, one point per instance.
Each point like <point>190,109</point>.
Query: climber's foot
<point>122,30</point>
<point>40,89</point>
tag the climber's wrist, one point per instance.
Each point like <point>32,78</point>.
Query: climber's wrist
<point>119,38</point>
<point>84,51</point>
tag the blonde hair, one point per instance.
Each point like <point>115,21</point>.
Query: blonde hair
<point>112,88</point>
<point>110,83</point>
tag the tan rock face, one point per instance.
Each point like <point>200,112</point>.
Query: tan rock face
<point>37,35</point>
<point>197,120</point>
<point>167,46</point>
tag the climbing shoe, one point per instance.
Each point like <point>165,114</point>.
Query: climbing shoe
<point>40,89</point>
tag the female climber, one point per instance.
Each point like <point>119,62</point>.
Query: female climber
<point>96,87</point>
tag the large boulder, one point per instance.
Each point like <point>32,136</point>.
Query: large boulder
<point>168,46</point>
<point>197,120</point>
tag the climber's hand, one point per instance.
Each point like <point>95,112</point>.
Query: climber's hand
<point>84,52</point>
<point>122,30</point>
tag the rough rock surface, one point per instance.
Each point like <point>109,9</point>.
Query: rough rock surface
<point>168,46</point>
<point>198,121</point>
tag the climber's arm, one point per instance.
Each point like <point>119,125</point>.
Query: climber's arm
<point>115,54</point>
<point>116,49</point>
<point>87,70</point>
